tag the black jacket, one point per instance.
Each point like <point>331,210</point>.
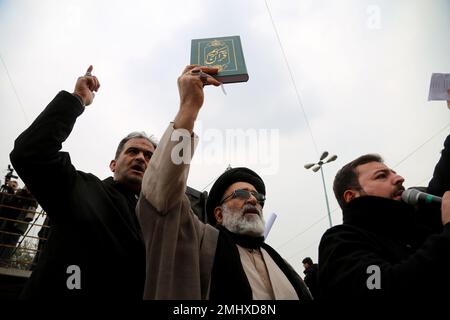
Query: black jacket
<point>93,222</point>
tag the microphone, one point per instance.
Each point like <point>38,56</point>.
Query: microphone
<point>414,196</point>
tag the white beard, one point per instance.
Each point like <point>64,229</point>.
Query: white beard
<point>248,224</point>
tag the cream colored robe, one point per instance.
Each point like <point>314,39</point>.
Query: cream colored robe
<point>180,248</point>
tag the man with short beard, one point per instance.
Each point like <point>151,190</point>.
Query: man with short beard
<point>188,259</point>
<point>386,250</point>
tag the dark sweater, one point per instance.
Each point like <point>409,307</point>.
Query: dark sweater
<point>93,222</point>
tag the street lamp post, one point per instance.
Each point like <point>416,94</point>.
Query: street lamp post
<point>318,166</point>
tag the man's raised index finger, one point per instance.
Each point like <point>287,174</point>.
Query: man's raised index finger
<point>89,70</point>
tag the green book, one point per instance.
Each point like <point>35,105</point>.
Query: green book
<point>224,53</point>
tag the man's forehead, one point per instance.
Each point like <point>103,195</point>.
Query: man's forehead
<point>371,167</point>
<point>140,143</point>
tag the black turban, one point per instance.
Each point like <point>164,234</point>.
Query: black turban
<point>227,179</point>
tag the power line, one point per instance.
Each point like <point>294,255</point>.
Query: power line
<point>229,167</point>
<point>302,232</point>
<point>210,183</point>
<point>14,89</point>
<point>299,100</point>
<point>302,250</point>
<point>419,147</point>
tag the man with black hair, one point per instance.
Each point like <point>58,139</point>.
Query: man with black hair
<point>226,260</point>
<point>310,270</point>
<point>95,247</point>
<point>386,250</point>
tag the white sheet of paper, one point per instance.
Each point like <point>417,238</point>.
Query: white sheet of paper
<point>439,84</point>
<point>269,224</point>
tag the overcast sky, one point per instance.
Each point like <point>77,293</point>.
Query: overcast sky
<point>350,77</point>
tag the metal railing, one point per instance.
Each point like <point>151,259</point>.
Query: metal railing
<point>23,232</point>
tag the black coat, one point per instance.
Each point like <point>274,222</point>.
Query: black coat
<point>93,222</point>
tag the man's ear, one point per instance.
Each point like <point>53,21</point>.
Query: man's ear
<point>349,195</point>
<point>112,165</point>
<point>218,214</point>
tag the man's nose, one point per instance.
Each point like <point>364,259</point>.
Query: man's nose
<point>252,200</point>
<point>140,156</point>
<point>398,179</point>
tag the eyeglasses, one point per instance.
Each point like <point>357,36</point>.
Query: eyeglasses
<point>245,195</point>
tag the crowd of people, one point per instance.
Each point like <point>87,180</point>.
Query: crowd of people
<point>139,234</point>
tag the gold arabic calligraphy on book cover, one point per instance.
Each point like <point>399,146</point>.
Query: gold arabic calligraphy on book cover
<point>224,53</point>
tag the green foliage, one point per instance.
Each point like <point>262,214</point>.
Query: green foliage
<point>23,256</point>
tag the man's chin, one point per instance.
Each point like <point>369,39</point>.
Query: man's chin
<point>398,195</point>
<point>252,217</point>
<point>134,173</point>
<point>251,214</point>
<point>251,229</point>
<point>132,180</point>
<point>252,232</point>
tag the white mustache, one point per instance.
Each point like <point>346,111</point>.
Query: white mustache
<point>250,207</point>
